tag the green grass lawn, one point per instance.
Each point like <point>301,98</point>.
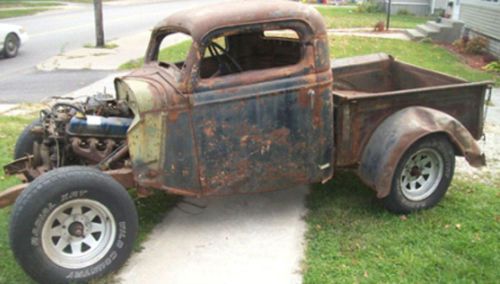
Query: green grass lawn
<point>341,17</point>
<point>351,239</point>
<point>151,210</point>
<point>174,53</point>
<point>18,13</point>
<point>31,7</point>
<point>426,55</point>
<point>26,4</point>
<point>26,8</point>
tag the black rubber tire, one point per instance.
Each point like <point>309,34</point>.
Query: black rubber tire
<point>24,143</point>
<point>48,192</point>
<point>14,40</point>
<point>396,202</point>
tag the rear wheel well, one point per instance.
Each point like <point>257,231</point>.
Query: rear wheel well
<point>456,148</point>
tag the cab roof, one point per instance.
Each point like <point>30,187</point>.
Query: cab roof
<point>201,20</point>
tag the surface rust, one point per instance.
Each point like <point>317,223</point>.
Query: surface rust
<point>263,129</point>
<point>268,113</point>
<point>390,141</point>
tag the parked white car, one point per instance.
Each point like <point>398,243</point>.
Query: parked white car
<point>11,39</point>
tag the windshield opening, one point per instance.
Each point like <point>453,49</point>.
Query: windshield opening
<point>170,50</point>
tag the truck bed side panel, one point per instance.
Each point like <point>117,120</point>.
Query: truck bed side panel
<point>359,114</point>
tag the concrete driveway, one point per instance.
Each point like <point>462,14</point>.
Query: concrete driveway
<point>256,238</point>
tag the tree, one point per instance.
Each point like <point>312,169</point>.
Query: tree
<point>99,27</point>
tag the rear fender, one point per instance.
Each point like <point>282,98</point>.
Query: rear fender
<point>399,131</point>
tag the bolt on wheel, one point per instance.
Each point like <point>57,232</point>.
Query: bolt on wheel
<point>78,233</point>
<point>421,174</point>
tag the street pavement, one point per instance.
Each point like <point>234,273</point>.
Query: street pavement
<point>35,86</point>
<point>55,32</point>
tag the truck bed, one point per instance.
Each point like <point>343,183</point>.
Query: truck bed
<point>367,89</point>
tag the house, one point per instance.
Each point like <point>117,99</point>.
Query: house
<point>481,18</point>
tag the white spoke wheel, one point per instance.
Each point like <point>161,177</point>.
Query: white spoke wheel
<point>78,233</point>
<point>422,175</point>
<point>72,224</point>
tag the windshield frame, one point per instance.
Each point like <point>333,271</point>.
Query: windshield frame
<point>157,37</point>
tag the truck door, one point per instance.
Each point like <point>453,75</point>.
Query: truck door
<point>261,119</point>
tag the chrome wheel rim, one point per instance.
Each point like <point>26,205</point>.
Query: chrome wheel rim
<point>421,174</point>
<point>78,233</point>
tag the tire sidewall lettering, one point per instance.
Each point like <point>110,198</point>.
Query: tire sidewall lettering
<point>99,266</point>
<point>95,269</point>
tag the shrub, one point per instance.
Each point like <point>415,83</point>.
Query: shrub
<point>492,67</point>
<point>404,12</point>
<point>370,7</point>
<point>459,44</point>
<point>476,45</point>
<point>439,13</point>
<point>379,27</point>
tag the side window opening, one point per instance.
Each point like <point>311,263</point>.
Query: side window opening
<point>249,51</point>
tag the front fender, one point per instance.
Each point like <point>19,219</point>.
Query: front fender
<point>399,131</point>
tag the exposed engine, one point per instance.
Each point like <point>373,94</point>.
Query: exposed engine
<point>70,132</point>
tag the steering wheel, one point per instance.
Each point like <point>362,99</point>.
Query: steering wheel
<point>230,64</point>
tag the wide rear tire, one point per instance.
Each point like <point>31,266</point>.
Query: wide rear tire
<point>422,176</point>
<point>72,224</point>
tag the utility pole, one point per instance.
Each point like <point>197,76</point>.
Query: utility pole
<point>99,27</point>
<point>388,21</point>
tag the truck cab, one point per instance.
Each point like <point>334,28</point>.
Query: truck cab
<point>250,109</point>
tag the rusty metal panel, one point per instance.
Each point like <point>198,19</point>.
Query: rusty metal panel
<point>359,117</point>
<point>180,165</point>
<point>359,112</point>
<point>263,137</point>
<point>391,140</point>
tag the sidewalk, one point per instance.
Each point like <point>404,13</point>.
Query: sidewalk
<point>368,32</point>
<point>127,48</point>
<point>244,239</point>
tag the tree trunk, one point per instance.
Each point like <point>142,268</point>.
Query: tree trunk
<point>99,27</point>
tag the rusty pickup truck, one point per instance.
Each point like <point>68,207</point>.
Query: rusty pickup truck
<point>257,105</point>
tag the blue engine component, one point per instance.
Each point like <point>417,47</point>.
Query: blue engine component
<point>99,126</point>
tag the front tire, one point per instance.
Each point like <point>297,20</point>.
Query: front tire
<point>72,224</point>
<point>422,176</point>
<point>11,45</point>
<point>25,141</point>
